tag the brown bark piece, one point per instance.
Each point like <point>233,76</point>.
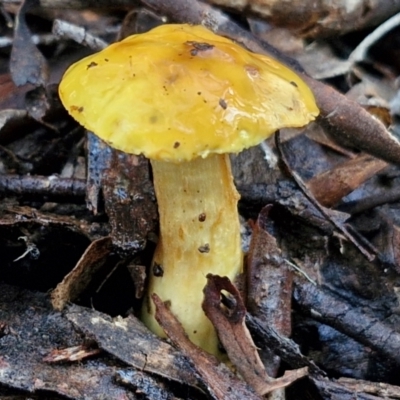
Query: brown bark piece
<point>336,391</point>
<point>128,193</point>
<point>269,279</point>
<point>375,388</point>
<point>236,339</point>
<point>233,333</point>
<point>131,342</point>
<point>219,380</point>
<point>79,278</point>
<point>129,200</point>
<point>331,186</point>
<point>269,283</point>
<point>74,353</point>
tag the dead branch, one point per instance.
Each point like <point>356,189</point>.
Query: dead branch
<point>331,310</point>
<point>319,18</point>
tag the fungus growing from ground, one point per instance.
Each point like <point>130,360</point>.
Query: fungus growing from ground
<point>185,98</point>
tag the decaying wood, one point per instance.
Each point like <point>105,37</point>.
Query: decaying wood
<point>385,195</point>
<point>233,333</point>
<point>375,388</point>
<point>144,384</point>
<point>80,277</point>
<point>129,199</point>
<point>66,30</point>
<point>51,187</point>
<point>269,289</point>
<point>30,331</point>
<point>330,309</point>
<point>218,378</point>
<point>269,286</point>
<point>267,337</point>
<point>74,353</point>
<point>230,325</point>
<point>336,391</point>
<point>131,342</point>
<point>331,186</point>
<point>269,279</point>
<point>316,18</point>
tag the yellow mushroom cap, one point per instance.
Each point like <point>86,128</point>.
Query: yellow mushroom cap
<point>179,92</point>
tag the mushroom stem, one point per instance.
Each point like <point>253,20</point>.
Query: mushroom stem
<point>199,234</point>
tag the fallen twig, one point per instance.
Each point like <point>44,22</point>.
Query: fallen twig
<point>51,187</point>
<point>331,310</point>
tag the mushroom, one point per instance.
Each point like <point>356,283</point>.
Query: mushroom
<point>185,98</point>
